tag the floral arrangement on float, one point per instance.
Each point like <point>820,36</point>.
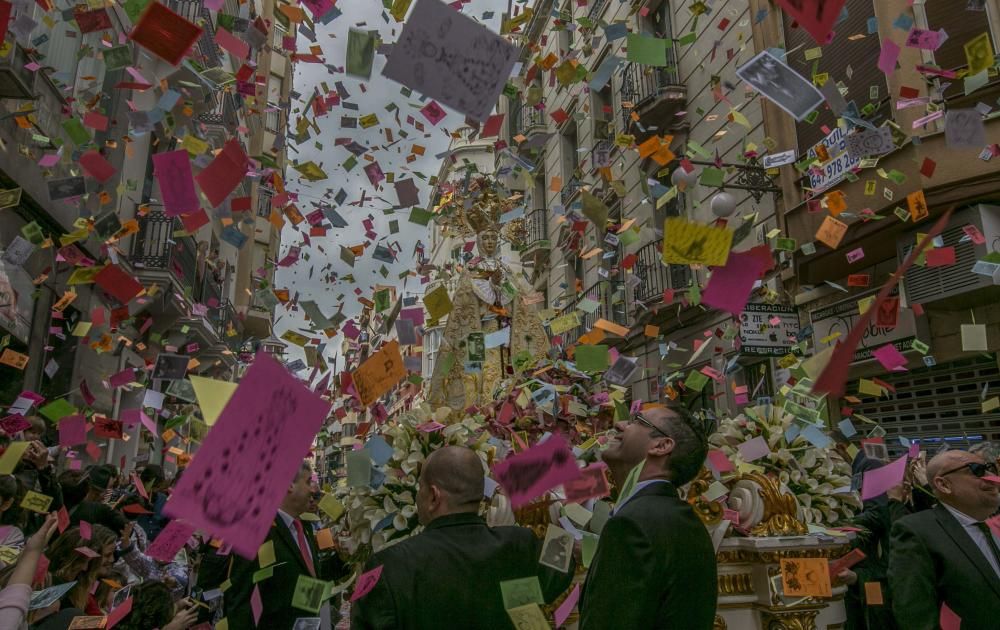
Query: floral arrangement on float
<point>554,398</point>
<point>381,513</point>
<point>798,482</point>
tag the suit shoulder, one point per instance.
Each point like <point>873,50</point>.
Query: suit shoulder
<point>411,545</point>
<point>514,533</point>
<point>917,521</point>
<point>655,507</point>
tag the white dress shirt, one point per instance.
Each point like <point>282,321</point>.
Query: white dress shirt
<point>977,535</point>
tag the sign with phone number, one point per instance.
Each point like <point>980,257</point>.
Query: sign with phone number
<point>832,172</point>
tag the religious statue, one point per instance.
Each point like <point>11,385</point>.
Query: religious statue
<point>491,334</point>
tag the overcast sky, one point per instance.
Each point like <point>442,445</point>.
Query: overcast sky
<point>306,277</point>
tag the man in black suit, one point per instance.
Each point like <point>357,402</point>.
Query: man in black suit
<point>295,555</point>
<point>948,555</point>
<point>449,575</point>
<point>655,563</point>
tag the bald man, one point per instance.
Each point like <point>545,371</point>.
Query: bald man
<point>449,575</point>
<point>948,555</point>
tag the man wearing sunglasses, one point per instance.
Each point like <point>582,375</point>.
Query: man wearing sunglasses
<point>655,563</point>
<point>949,555</point>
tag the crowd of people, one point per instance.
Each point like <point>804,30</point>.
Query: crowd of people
<point>81,561</point>
<point>927,547</point>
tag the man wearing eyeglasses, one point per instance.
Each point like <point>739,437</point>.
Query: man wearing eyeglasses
<point>949,555</point>
<point>655,564</point>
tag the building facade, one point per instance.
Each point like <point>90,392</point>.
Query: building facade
<point>196,272</point>
<point>568,139</point>
<point>943,394</point>
<point>575,131</point>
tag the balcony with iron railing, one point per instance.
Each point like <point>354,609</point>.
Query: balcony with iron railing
<point>654,94</point>
<point>225,321</point>
<point>16,81</point>
<point>569,190</point>
<point>537,227</point>
<point>155,248</point>
<point>526,119</point>
<point>593,292</point>
<point>656,277</point>
<point>272,118</point>
<point>222,112</point>
<point>207,51</point>
<point>596,11</point>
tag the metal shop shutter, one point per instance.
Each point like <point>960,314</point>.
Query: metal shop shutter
<point>938,402</point>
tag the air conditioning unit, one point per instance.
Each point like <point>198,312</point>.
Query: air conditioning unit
<point>922,285</point>
<point>15,81</point>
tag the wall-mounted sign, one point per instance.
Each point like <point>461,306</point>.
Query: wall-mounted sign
<point>768,330</point>
<point>840,317</point>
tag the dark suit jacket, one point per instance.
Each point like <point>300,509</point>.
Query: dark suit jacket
<point>654,567</point>
<point>934,560</point>
<point>449,576</point>
<point>276,591</point>
<point>876,522</point>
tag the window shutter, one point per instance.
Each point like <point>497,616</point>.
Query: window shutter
<point>860,55</point>
<point>961,26</point>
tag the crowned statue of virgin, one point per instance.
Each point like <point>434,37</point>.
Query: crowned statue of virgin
<point>492,333</point>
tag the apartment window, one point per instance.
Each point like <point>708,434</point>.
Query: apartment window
<point>264,196</point>
<point>579,274</point>
<point>961,25</point>
<point>278,32</point>
<point>272,118</point>
<point>657,21</point>
<point>570,152</point>
<point>274,88</point>
<point>567,35</point>
<point>602,112</point>
<point>853,65</point>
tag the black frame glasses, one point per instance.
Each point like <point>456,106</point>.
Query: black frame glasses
<point>642,419</point>
<point>976,468</point>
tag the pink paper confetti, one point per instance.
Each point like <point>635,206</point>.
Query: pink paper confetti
<point>170,541</point>
<point>890,358</point>
<point>366,582</point>
<point>119,613</point>
<point>567,606</point>
<point>433,112</point>
<point>888,56</point>
<point>530,473</point>
<point>256,605</point>
<point>719,461</point>
<point>878,481</point>
<point>949,620</point>
<point>269,422</point>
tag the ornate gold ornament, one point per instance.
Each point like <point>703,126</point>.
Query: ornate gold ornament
<point>468,211</point>
<point>790,620</point>
<point>710,512</point>
<point>735,584</point>
<point>780,509</point>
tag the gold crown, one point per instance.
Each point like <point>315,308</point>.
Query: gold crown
<point>478,209</point>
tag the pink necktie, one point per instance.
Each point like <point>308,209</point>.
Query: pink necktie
<point>304,547</point>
